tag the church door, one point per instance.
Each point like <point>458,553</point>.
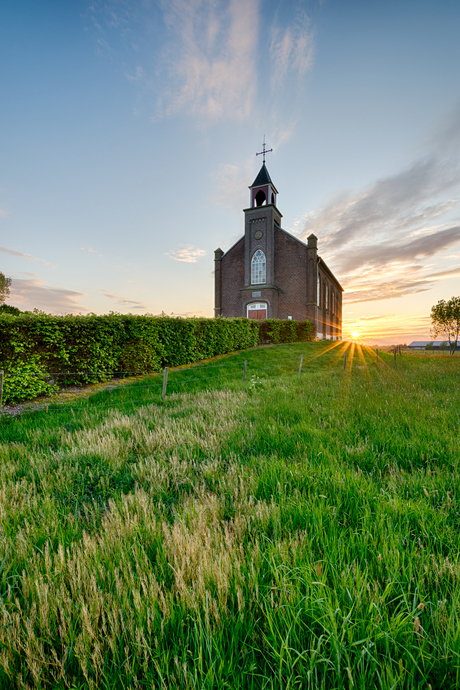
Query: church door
<point>257,311</point>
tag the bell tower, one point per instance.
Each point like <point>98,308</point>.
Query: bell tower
<point>259,243</point>
<point>263,191</point>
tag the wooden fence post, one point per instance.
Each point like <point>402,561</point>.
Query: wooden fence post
<point>344,360</point>
<point>377,351</point>
<point>394,354</point>
<point>1,386</point>
<point>300,366</point>
<point>244,369</point>
<point>165,382</point>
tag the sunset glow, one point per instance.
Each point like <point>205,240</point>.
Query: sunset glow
<point>126,161</point>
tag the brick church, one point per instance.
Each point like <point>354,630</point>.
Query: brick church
<point>270,274</point>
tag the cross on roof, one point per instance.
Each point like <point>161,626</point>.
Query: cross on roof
<point>264,151</point>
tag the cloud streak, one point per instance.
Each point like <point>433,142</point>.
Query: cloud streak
<point>291,50</point>
<point>396,203</point>
<point>211,57</point>
<point>29,257</point>
<point>390,252</point>
<point>380,241</point>
<point>206,61</point>
<point>29,293</point>
<point>187,253</point>
<point>122,301</point>
<point>231,184</point>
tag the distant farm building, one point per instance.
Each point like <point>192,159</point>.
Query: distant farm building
<point>430,345</point>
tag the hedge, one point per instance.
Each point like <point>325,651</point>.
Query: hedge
<point>87,349</point>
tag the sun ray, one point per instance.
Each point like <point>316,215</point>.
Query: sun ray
<point>335,344</point>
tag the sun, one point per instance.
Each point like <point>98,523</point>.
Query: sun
<point>355,334</point>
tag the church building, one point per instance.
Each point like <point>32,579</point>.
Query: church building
<point>270,274</point>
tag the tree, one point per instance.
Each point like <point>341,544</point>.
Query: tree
<point>9,309</point>
<point>4,287</point>
<point>445,321</point>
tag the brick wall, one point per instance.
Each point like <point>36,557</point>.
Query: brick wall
<point>290,276</point>
<point>330,319</point>
<point>232,279</point>
<point>294,290</point>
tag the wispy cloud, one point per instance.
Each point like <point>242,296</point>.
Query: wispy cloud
<point>397,203</point>
<point>122,301</point>
<point>187,253</point>
<point>211,57</point>
<point>380,241</point>
<point>291,50</point>
<point>231,185</point>
<point>284,133</point>
<point>29,257</point>
<point>31,293</point>
<point>103,44</point>
<point>90,250</point>
<point>389,252</point>
<point>208,58</point>
<point>3,213</point>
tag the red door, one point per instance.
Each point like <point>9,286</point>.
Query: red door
<point>260,314</point>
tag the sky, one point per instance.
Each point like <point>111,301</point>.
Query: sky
<point>128,134</point>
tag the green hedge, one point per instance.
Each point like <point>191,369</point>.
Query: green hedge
<point>87,349</point>
<point>278,331</point>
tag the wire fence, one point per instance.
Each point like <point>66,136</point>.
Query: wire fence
<point>102,372</point>
<point>167,381</point>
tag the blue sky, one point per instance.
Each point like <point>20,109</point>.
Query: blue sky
<point>129,130</point>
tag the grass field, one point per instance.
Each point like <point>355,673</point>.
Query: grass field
<point>277,533</point>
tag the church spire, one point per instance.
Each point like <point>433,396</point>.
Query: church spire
<point>263,177</point>
<point>263,191</point>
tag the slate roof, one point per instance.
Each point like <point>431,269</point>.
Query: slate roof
<point>424,343</point>
<point>262,178</point>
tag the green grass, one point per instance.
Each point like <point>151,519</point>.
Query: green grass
<point>273,533</point>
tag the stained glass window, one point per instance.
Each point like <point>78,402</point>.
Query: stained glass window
<point>258,268</point>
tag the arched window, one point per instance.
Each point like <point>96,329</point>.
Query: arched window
<point>258,268</point>
<point>260,197</point>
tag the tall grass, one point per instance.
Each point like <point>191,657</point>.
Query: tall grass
<point>276,533</point>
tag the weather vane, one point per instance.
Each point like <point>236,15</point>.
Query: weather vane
<point>264,151</point>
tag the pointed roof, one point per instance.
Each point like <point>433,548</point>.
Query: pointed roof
<point>262,178</point>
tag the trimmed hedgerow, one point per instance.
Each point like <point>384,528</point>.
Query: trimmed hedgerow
<point>278,331</point>
<point>87,349</point>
